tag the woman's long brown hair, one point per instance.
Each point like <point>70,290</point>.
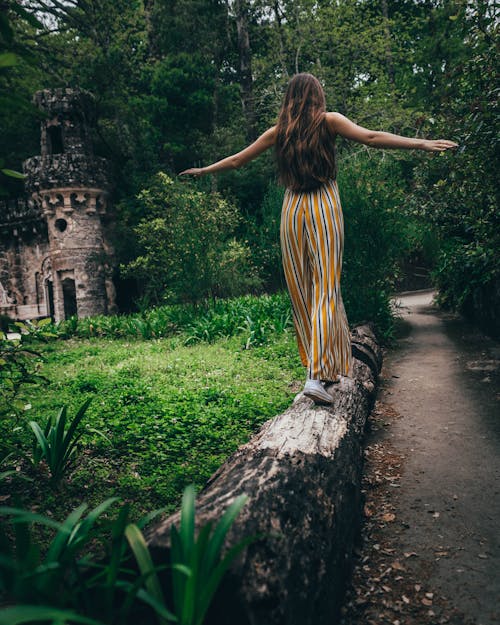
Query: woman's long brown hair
<point>304,143</point>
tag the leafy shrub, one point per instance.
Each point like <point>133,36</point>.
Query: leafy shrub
<point>256,318</point>
<point>187,251</point>
<point>264,238</point>
<point>36,329</point>
<point>196,564</point>
<point>376,234</point>
<point>203,322</point>
<point>18,615</point>
<point>63,576</point>
<point>458,192</point>
<point>19,366</point>
<point>235,274</point>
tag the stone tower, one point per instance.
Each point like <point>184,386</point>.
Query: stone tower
<point>69,187</point>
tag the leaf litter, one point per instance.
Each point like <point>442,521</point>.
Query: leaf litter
<point>385,587</point>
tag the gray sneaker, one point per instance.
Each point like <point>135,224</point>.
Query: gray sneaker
<point>314,389</point>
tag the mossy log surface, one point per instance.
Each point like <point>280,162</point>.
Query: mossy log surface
<point>302,473</point>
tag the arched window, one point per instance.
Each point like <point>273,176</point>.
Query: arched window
<point>55,140</point>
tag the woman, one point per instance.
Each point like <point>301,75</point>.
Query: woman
<point>312,230</point>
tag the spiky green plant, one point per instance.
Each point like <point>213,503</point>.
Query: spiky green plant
<point>197,565</point>
<point>27,576</point>
<point>18,615</point>
<point>66,582</point>
<point>70,575</point>
<point>57,442</point>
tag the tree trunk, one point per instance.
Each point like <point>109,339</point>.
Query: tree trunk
<point>245,73</point>
<point>279,27</point>
<point>388,51</point>
<point>302,473</point>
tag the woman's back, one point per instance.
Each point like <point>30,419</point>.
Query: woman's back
<point>305,144</point>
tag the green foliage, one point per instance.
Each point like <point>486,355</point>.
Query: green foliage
<point>79,584</point>
<point>187,253</point>
<point>235,273</point>
<point>15,61</point>
<point>208,322</point>
<point>19,366</point>
<point>376,235</point>
<point>458,193</point>
<point>32,574</point>
<point>256,319</point>
<point>197,566</point>
<point>37,329</point>
<point>70,573</point>
<point>56,443</point>
<point>4,460</point>
<point>264,238</point>
<point>173,412</point>
<point>153,593</point>
<point>35,614</point>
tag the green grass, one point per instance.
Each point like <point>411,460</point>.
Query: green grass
<point>174,390</point>
<point>173,413</point>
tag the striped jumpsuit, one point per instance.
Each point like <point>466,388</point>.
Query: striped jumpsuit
<point>312,242</point>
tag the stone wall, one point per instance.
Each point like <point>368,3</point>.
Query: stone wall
<point>78,251</point>
<point>65,170</point>
<point>21,263</point>
<point>18,216</point>
<point>70,115</point>
<point>55,255</point>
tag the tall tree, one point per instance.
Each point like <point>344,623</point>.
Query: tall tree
<point>245,67</point>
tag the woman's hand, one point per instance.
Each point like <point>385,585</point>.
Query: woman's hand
<point>193,171</point>
<point>438,145</point>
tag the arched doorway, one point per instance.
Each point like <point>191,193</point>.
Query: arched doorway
<point>69,297</point>
<point>47,285</point>
<point>49,298</point>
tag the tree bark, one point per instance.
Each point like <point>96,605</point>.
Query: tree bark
<point>245,73</point>
<point>302,473</point>
<point>388,52</point>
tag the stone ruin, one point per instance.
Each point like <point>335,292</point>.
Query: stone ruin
<point>55,256</point>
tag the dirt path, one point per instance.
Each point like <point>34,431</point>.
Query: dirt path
<point>431,539</point>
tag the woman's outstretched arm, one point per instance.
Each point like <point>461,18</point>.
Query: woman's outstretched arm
<point>264,142</point>
<point>346,128</point>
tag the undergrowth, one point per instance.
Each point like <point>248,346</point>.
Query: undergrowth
<point>172,413</point>
<point>255,318</point>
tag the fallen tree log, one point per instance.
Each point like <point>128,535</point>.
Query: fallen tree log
<point>302,473</point>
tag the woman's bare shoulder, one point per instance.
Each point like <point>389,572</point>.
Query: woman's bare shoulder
<point>334,119</point>
<point>267,138</point>
<point>271,132</point>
